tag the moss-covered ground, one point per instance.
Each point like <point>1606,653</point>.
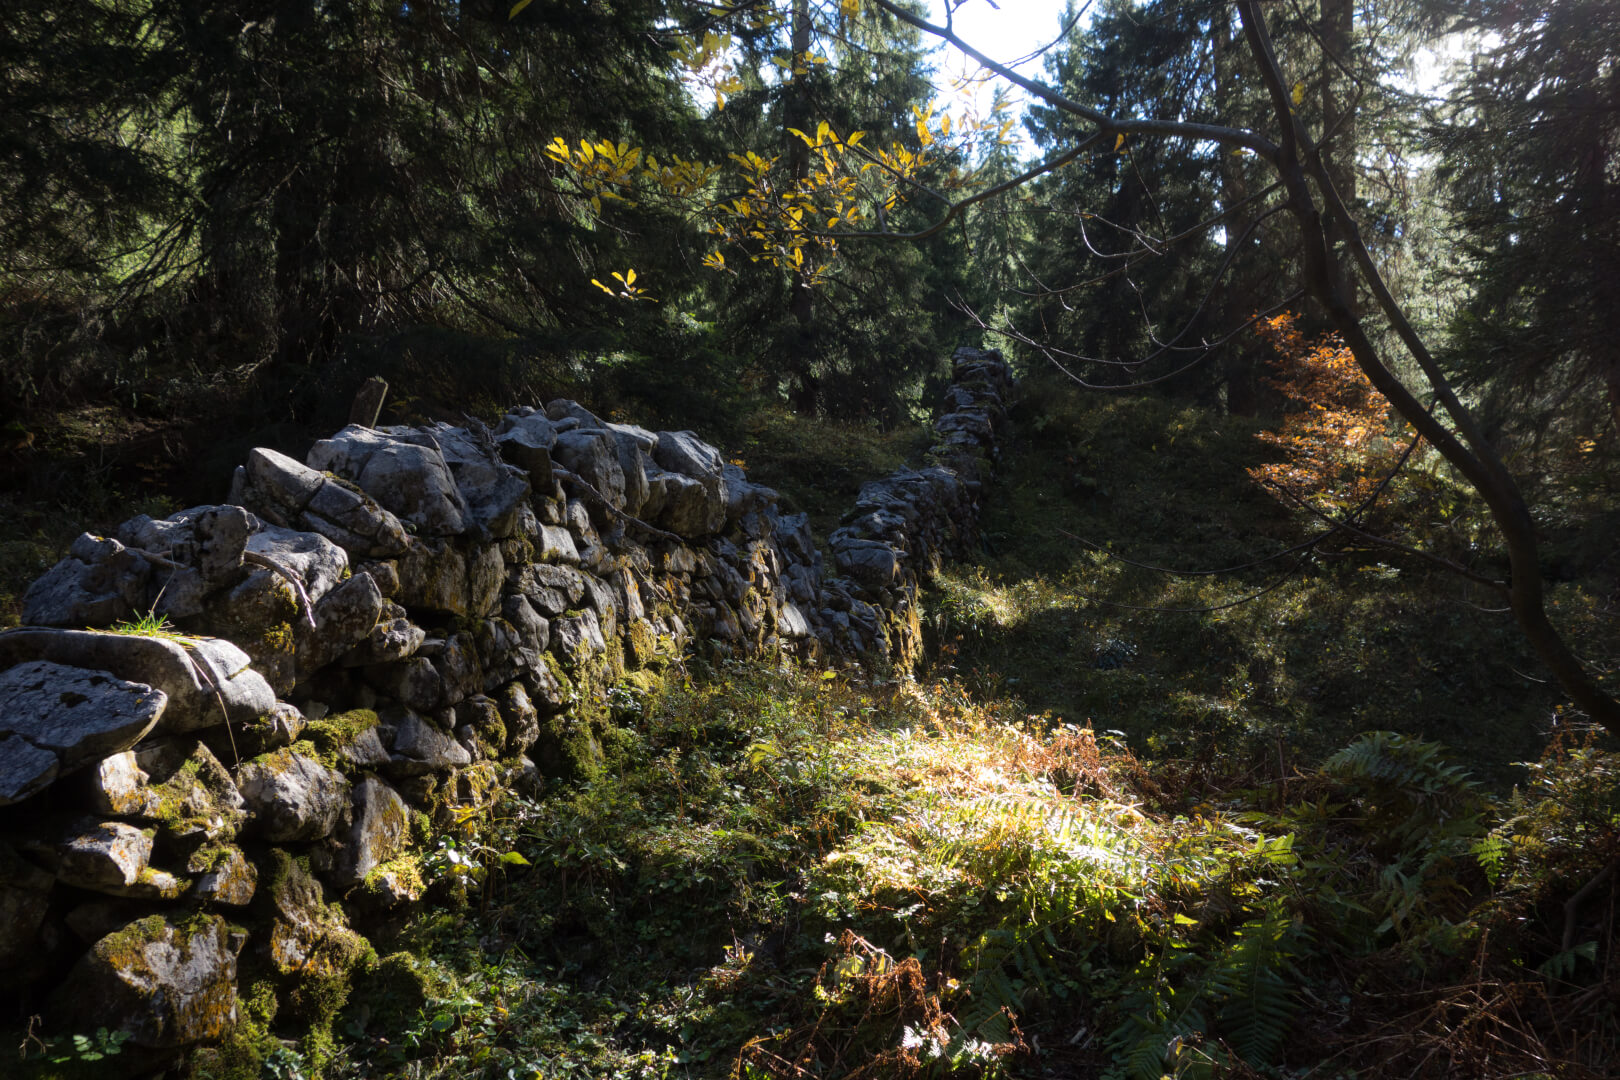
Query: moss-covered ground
<point>786,874</point>
<point>1340,830</point>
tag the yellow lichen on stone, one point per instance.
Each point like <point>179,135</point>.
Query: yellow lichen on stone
<point>278,637</point>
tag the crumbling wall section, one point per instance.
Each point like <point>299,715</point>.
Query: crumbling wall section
<point>369,646</point>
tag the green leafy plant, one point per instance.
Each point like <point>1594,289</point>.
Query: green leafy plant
<point>88,1048</point>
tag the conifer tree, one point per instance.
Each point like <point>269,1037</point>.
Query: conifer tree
<point>1531,158</point>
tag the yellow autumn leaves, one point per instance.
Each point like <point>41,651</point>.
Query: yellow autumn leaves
<point>777,218</point>
<point>608,170</point>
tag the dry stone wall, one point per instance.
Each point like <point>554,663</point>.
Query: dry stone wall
<point>373,643</point>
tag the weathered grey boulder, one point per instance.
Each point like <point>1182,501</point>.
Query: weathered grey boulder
<point>550,590</point>
<point>681,504</point>
<point>25,893</point>
<point>292,797</point>
<point>413,682</point>
<point>684,453</point>
<point>392,637</point>
<point>790,621</point>
<point>187,793</point>
<point>555,544</point>
<point>364,751</point>
<point>744,497</point>
<point>118,785</point>
<point>283,485</point>
<point>55,718</point>
<point>385,572</point>
<point>479,728</point>
<point>317,561</point>
<point>592,454</point>
<point>492,491</point>
<point>501,651</point>
<point>635,447</point>
<point>965,429</point>
<point>106,856</point>
<point>167,981</point>
<point>293,494</point>
<point>379,831</point>
<point>794,538</point>
<point>533,629</point>
<point>519,717</point>
<point>420,746</point>
<point>577,518</point>
<point>459,667</point>
<point>100,582</point>
<point>577,638</point>
<point>279,727</point>
<point>349,739</point>
<point>25,769</point>
<point>549,690</point>
<point>678,559</point>
<point>526,441</point>
<point>344,618</point>
<point>203,546</point>
<point>309,937</point>
<point>403,469</point>
<point>198,675</point>
<point>223,875</point>
<point>353,520</point>
<point>627,593</point>
<point>873,563</point>
<point>570,415</point>
<point>448,577</point>
<point>603,599</point>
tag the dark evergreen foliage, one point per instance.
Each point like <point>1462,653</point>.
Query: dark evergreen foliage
<point>1531,161</point>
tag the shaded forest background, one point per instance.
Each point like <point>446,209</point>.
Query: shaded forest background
<point>242,211</point>
<point>216,222</point>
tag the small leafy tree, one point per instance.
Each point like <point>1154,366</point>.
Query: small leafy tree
<point>1337,434</point>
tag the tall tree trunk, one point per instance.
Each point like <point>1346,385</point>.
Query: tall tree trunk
<point>1338,148</point>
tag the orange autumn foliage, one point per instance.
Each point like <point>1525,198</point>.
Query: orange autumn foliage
<point>1338,436</point>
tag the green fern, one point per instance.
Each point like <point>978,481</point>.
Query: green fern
<point>1259,1001</point>
<point>1010,970</point>
<point>1244,994</point>
<point>1397,769</point>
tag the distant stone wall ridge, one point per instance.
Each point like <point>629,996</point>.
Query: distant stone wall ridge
<point>399,628</point>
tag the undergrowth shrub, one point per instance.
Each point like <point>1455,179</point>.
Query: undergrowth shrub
<point>789,873</point>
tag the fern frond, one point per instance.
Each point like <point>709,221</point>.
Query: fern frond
<point>1260,1005</point>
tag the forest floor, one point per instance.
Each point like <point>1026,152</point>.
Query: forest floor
<point>1341,829</point>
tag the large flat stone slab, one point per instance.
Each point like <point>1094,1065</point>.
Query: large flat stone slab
<point>199,675</point>
<point>55,718</point>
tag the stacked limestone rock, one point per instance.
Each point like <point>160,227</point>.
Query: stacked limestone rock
<point>374,642</point>
<point>905,524</point>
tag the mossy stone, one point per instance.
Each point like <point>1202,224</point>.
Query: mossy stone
<point>167,981</point>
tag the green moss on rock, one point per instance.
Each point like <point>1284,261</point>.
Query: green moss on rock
<point>337,731</point>
<point>310,946</point>
<point>168,982</point>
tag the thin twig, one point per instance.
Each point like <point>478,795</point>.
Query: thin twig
<point>292,578</point>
